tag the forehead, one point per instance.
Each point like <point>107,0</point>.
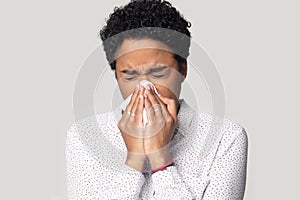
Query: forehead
<point>144,52</point>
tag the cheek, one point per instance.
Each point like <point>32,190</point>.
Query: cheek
<point>170,88</point>
<point>172,84</point>
<point>126,89</point>
<point>166,92</point>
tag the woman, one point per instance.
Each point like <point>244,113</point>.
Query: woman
<point>172,151</point>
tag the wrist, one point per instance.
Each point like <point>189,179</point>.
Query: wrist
<point>136,161</point>
<point>159,158</point>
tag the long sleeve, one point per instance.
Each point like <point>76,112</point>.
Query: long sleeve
<point>89,179</point>
<point>228,173</point>
<point>168,184</point>
<point>210,162</point>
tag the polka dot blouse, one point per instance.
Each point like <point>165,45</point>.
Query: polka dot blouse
<point>209,153</point>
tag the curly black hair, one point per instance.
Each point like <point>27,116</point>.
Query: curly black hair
<point>141,16</point>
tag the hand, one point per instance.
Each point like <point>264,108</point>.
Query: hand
<point>162,117</point>
<point>132,130</point>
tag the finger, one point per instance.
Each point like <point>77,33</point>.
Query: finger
<point>136,101</point>
<point>171,105</point>
<point>148,106</point>
<point>164,109</point>
<point>157,106</point>
<point>158,112</point>
<point>150,94</point>
<point>138,107</point>
<point>131,103</point>
<point>154,102</point>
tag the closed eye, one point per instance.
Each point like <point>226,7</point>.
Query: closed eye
<point>130,78</point>
<point>158,75</point>
<point>161,72</point>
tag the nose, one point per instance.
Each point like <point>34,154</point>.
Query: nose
<point>144,77</point>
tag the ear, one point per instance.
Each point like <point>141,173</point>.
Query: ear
<point>116,77</point>
<point>183,70</point>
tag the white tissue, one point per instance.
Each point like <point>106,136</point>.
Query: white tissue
<point>127,100</point>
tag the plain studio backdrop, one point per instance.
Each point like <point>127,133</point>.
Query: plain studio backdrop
<point>43,44</point>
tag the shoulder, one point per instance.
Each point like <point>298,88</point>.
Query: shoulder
<point>88,137</point>
<point>204,123</point>
<point>89,125</point>
<point>212,122</point>
<point>209,129</point>
<point>91,121</point>
<point>221,132</point>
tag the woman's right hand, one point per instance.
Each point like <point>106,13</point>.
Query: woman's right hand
<point>131,127</point>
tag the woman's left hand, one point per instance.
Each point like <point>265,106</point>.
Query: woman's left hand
<point>162,121</point>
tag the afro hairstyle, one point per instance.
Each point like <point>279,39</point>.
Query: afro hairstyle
<point>142,16</point>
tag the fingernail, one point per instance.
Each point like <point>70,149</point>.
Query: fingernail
<point>141,96</point>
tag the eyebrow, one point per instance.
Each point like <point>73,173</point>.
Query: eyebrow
<point>130,72</point>
<point>152,70</point>
<point>157,69</point>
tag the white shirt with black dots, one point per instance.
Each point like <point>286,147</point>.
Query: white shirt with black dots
<point>209,153</point>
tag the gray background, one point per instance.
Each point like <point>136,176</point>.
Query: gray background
<point>254,45</point>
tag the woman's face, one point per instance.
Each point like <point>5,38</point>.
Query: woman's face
<point>147,59</point>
